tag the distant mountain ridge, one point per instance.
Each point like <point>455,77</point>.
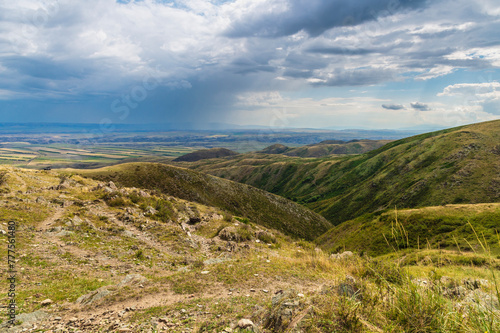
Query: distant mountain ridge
<point>326,148</point>
<point>457,165</point>
<point>204,154</point>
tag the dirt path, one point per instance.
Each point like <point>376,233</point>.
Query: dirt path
<point>45,225</point>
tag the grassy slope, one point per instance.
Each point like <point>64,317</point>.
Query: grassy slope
<point>326,149</point>
<point>198,282</point>
<point>459,165</point>
<point>451,227</point>
<point>239,199</point>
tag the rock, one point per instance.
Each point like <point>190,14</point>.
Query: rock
<point>132,279</point>
<point>41,200</point>
<point>108,190</point>
<point>230,234</point>
<point>342,255</point>
<point>64,233</point>
<point>92,296</point>
<point>26,319</point>
<point>63,185</point>
<point>46,302</point>
<point>112,186</point>
<point>245,323</point>
<point>144,194</point>
<point>150,210</point>
<point>284,305</point>
<point>77,221</point>
<point>205,272</point>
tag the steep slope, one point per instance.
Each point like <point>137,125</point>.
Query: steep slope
<point>239,199</point>
<point>458,165</point>
<point>204,154</point>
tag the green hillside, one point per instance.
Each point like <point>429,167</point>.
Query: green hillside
<point>461,228</point>
<point>242,200</point>
<point>92,256</point>
<point>327,148</point>
<point>458,165</point>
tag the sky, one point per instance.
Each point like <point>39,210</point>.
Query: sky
<point>379,64</point>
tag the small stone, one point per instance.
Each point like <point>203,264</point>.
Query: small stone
<point>300,295</point>
<point>205,272</point>
<point>256,275</point>
<point>46,302</point>
<point>257,241</point>
<point>245,323</point>
<point>265,291</point>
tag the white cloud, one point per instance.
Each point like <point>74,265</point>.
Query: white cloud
<point>485,95</point>
<point>483,91</point>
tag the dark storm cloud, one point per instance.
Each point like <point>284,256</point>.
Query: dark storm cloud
<point>45,68</point>
<point>296,73</point>
<point>393,106</point>
<point>316,16</point>
<point>420,106</point>
<point>356,77</point>
<point>341,50</point>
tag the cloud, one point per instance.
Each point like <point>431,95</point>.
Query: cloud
<point>62,59</point>
<point>280,18</point>
<point>393,106</point>
<point>353,77</point>
<point>485,90</point>
<point>486,95</point>
<point>420,106</point>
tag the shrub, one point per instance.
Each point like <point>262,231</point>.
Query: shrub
<point>3,178</point>
<point>420,310</point>
<point>383,272</point>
